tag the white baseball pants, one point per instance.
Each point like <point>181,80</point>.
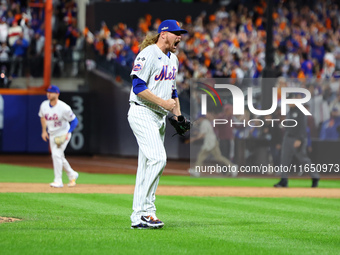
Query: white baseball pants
<point>59,160</point>
<point>149,130</point>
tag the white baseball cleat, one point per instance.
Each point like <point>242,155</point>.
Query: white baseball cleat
<point>151,222</point>
<point>234,171</point>
<point>193,172</point>
<point>56,185</point>
<point>72,182</point>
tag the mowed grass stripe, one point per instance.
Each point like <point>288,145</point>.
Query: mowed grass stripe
<point>99,224</point>
<point>21,174</point>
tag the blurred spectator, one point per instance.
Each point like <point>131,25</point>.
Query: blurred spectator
<point>5,55</point>
<point>57,59</point>
<point>71,36</point>
<point>10,17</point>
<point>306,65</point>
<point>28,32</point>
<point>36,22</point>
<point>19,55</point>
<point>69,11</point>
<point>328,63</point>
<point>335,104</point>
<point>337,54</point>
<point>14,33</point>
<point>36,55</point>
<point>3,30</point>
<point>331,128</point>
<point>5,64</point>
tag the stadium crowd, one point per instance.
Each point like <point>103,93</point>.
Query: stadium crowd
<point>22,38</point>
<point>231,44</point>
<point>227,44</point>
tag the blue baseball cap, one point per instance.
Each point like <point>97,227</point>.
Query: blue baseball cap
<point>170,25</point>
<point>53,89</point>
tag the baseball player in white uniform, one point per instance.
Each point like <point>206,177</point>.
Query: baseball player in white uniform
<point>152,96</point>
<point>59,120</point>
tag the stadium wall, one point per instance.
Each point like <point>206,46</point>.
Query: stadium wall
<point>103,127</point>
<point>20,128</point>
<point>112,134</point>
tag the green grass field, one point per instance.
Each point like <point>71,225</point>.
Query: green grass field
<point>10,173</point>
<point>99,223</point>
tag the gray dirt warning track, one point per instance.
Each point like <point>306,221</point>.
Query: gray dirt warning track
<point>175,190</point>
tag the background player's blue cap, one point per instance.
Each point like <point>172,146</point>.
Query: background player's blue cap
<point>170,25</point>
<point>53,89</point>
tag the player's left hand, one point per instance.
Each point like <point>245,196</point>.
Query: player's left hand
<point>180,123</point>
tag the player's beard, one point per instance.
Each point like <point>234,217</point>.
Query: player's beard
<point>173,50</point>
<point>171,45</point>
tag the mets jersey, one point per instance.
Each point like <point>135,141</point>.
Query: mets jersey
<point>159,72</point>
<point>57,117</point>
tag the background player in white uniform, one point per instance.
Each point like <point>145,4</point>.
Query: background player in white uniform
<point>152,96</point>
<point>55,115</point>
<point>210,146</point>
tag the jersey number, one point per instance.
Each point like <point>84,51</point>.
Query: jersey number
<point>57,124</point>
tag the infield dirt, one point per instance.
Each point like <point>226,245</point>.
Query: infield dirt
<point>99,164</point>
<point>176,190</point>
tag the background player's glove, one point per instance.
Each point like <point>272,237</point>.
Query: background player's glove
<point>181,125</point>
<point>59,140</point>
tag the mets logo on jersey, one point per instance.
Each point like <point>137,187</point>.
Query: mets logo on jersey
<point>49,117</point>
<point>164,75</point>
<point>138,66</point>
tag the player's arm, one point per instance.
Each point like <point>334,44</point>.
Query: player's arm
<point>72,119</point>
<point>169,104</point>
<point>44,134</point>
<point>73,125</point>
<point>140,89</point>
<point>177,110</point>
